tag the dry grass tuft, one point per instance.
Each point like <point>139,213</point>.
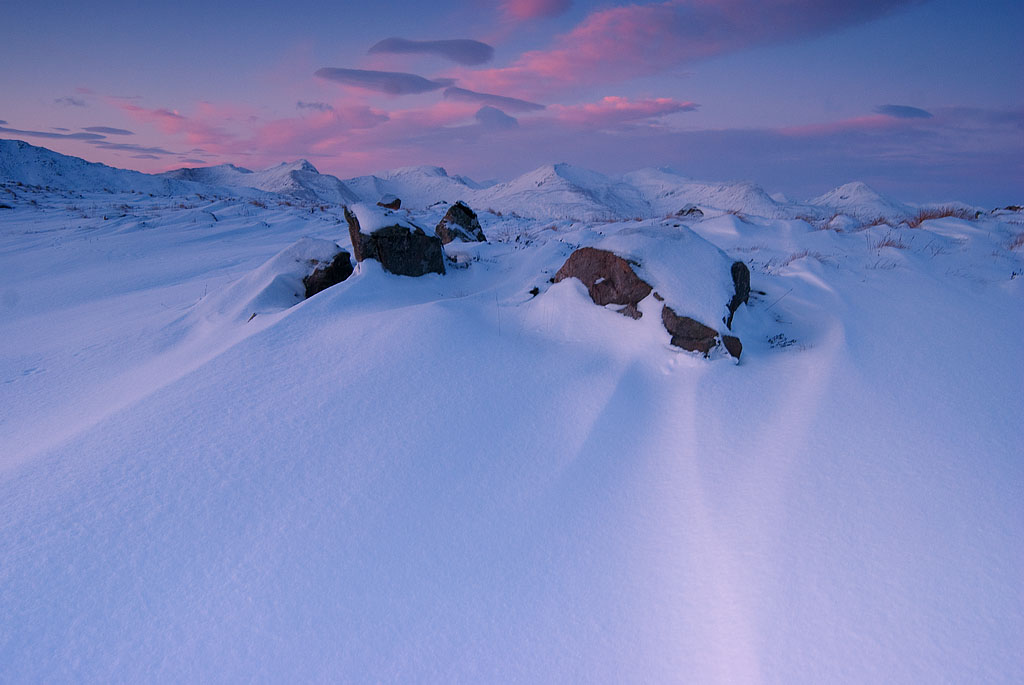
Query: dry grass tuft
<point>891,240</point>
<point>1017,241</point>
<point>940,213</point>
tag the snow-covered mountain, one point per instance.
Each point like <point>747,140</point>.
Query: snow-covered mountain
<point>565,191</point>
<point>299,180</point>
<point>864,203</point>
<point>21,162</point>
<point>417,186</point>
<point>668,192</point>
<point>554,191</point>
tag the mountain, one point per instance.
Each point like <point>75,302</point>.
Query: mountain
<point>563,191</point>
<point>299,180</point>
<point>863,202</point>
<point>667,192</point>
<point>417,187</point>
<point>38,166</point>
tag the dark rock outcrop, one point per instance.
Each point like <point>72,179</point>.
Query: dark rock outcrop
<point>460,223</point>
<point>390,202</point>
<point>399,249</point>
<point>609,279</point>
<point>688,333</point>
<point>691,211</point>
<point>327,275</point>
<point>741,283</point>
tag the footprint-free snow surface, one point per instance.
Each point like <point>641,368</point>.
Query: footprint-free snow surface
<point>206,477</point>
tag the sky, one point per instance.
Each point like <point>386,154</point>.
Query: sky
<point>922,99</point>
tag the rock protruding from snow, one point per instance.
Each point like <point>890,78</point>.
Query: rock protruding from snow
<point>389,201</point>
<point>690,211</point>
<point>326,275</point>
<point>688,333</point>
<point>401,247</point>
<point>741,282</point>
<point>608,277</point>
<point>460,223</point>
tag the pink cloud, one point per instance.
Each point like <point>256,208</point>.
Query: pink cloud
<point>613,110</point>
<point>533,9</point>
<point>618,43</point>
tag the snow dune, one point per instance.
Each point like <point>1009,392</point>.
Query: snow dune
<point>448,479</point>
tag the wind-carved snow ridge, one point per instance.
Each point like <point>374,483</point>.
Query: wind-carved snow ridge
<point>484,476</point>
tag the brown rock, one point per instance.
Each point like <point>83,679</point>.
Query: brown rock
<point>688,333</point>
<point>390,202</point>
<point>609,278</point>
<point>460,223</point>
<point>399,249</point>
<point>327,275</point>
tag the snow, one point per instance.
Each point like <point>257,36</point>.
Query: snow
<point>451,479</point>
<point>372,218</point>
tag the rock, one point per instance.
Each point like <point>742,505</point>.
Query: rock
<point>688,333</point>
<point>692,211</point>
<point>732,345</point>
<point>609,279</point>
<point>692,335</point>
<point>401,247</point>
<point>460,223</point>
<point>327,275</point>
<point>741,282</point>
<point>389,202</point>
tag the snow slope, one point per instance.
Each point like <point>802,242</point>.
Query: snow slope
<point>418,187</point>
<point>449,479</point>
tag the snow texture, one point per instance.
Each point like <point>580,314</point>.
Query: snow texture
<point>483,476</point>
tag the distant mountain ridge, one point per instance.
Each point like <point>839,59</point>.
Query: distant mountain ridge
<point>556,191</point>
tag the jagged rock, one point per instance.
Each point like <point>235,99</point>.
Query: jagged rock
<point>741,282</point>
<point>400,246</point>
<point>460,223</point>
<point>330,274</point>
<point>692,211</point>
<point>609,279</point>
<point>390,202</point>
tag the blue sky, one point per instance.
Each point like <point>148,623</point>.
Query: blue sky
<point>797,95</point>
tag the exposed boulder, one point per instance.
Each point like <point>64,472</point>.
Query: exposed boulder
<point>389,202</point>
<point>692,211</point>
<point>326,275</point>
<point>460,223</point>
<point>741,282</point>
<point>688,333</point>
<point>609,279</point>
<point>399,245</point>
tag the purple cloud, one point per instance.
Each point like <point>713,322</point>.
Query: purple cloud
<point>318,106</point>
<point>497,101</point>
<point>130,147</point>
<point>145,157</point>
<point>110,130</point>
<point>462,50</point>
<point>391,82</point>
<point>903,112</point>
<point>70,102</point>
<point>494,119</point>
<point>46,134</point>
<point>192,160</point>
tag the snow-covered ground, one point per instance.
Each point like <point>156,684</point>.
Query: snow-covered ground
<point>451,479</point>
